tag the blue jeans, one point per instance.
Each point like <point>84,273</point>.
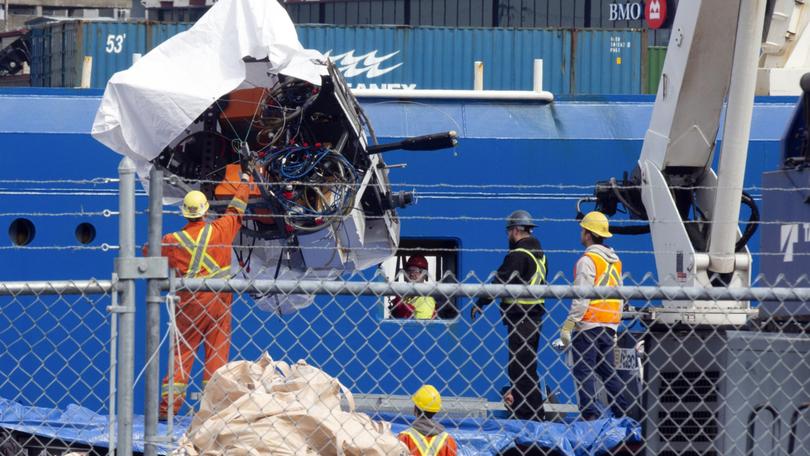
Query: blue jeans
<point>593,355</point>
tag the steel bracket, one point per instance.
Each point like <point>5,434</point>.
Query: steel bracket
<point>120,309</point>
<point>142,268</point>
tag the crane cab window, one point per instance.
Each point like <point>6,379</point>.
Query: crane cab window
<point>422,260</point>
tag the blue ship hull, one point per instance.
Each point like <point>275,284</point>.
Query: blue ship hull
<point>567,145</point>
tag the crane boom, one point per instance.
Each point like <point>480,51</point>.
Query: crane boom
<point>693,212</point>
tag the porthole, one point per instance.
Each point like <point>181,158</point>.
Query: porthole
<point>85,233</point>
<point>21,231</point>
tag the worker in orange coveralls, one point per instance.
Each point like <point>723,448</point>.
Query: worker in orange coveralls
<point>202,250</point>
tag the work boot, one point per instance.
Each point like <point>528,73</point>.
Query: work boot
<point>179,398</point>
<point>163,411</point>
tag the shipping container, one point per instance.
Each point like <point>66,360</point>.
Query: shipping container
<point>112,45</point>
<point>655,66</point>
<point>159,32</point>
<point>574,61</point>
<point>442,13</point>
<point>608,61</point>
<point>58,50</point>
<point>40,64</point>
<point>442,58</point>
<point>22,80</point>
<point>599,14</point>
<point>567,14</point>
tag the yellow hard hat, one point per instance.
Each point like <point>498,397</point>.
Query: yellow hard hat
<point>427,399</point>
<point>596,223</point>
<point>195,205</point>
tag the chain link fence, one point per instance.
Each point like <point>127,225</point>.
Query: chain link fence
<point>682,388</point>
<point>56,341</point>
<point>685,388</point>
<point>317,366</point>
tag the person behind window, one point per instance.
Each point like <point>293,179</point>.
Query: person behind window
<point>416,307</point>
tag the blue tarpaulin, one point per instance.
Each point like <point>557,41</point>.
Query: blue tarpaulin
<point>75,424</point>
<point>492,436</point>
<point>475,437</point>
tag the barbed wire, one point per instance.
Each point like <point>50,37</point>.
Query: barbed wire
<point>478,186</point>
<point>113,190</point>
<point>473,196</point>
<point>103,213</point>
<point>90,181</point>
<point>419,196</point>
<point>472,218</point>
<point>439,185</point>
<point>399,250</point>
<point>459,218</point>
<point>64,193</point>
<point>103,247</point>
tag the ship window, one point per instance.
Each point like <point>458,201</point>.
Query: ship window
<point>85,233</point>
<point>21,231</point>
<point>442,259</point>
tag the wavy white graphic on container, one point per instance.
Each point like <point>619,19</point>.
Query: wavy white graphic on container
<point>355,65</point>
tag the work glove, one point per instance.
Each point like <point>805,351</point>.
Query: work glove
<point>565,335</point>
<point>476,311</point>
<point>247,166</point>
<point>246,162</point>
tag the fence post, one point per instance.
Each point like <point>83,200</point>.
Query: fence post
<point>126,346</point>
<point>153,300</point>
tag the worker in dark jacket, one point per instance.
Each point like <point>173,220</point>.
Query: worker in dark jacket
<point>524,264</point>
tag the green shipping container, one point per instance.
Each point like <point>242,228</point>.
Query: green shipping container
<point>655,65</point>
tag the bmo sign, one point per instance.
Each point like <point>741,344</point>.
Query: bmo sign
<point>625,11</point>
<point>653,11</point>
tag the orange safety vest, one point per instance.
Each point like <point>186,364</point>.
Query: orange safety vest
<point>607,275</point>
<point>437,445</point>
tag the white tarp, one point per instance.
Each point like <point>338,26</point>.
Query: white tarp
<point>150,104</point>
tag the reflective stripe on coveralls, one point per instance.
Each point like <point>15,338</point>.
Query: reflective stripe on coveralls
<point>239,205</point>
<point>539,276</point>
<point>199,255</point>
<point>429,446</point>
<point>607,275</point>
<point>178,388</point>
